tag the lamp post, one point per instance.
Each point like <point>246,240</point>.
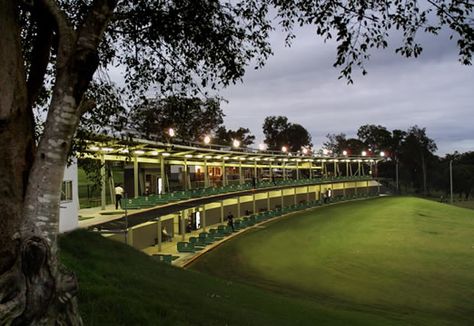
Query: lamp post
<point>451,180</point>
<point>396,175</point>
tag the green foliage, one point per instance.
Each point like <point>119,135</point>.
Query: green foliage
<point>279,132</point>
<point>186,47</point>
<point>191,118</point>
<point>225,136</point>
<point>375,137</point>
<point>91,168</point>
<point>337,143</point>
<point>382,257</point>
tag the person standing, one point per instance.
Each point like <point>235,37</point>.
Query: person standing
<point>118,196</point>
<point>230,221</point>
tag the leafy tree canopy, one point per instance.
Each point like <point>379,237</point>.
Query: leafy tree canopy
<point>279,132</point>
<point>225,136</point>
<point>191,118</point>
<point>375,137</point>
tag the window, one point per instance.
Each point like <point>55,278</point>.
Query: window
<point>66,191</point>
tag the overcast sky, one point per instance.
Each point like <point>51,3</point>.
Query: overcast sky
<point>434,91</point>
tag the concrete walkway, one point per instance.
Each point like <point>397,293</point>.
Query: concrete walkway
<point>92,216</point>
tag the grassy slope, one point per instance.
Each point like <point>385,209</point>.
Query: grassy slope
<point>121,286</point>
<point>407,259</point>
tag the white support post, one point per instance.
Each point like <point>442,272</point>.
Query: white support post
<point>224,174</point>
<point>241,178</point>
<point>255,174</point>
<point>185,174</point>
<point>102,182</point>
<point>130,237</point>
<point>222,211</point>
<point>159,235</point>
<point>163,174</point>
<point>238,207</point>
<point>268,200</point>
<point>204,218</point>
<point>135,176</point>
<point>206,174</point>
<point>282,199</point>
<point>254,204</point>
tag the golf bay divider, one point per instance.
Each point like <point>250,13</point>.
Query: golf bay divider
<point>147,236</point>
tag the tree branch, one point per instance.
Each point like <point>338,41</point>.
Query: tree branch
<point>89,37</point>
<point>64,29</point>
<point>40,54</point>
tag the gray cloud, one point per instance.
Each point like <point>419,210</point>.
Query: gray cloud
<point>433,91</point>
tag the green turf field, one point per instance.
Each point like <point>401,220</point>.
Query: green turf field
<point>119,285</point>
<point>408,260</point>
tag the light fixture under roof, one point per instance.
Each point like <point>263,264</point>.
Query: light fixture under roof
<point>124,150</point>
<point>139,152</point>
<point>154,153</point>
<point>107,149</point>
<point>188,156</point>
<point>236,143</point>
<point>165,154</point>
<point>94,148</point>
<point>208,156</point>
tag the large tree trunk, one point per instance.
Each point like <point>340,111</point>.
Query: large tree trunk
<point>16,150</point>
<point>34,288</point>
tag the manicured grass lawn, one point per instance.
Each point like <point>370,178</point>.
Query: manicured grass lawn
<point>408,260</point>
<point>121,286</point>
